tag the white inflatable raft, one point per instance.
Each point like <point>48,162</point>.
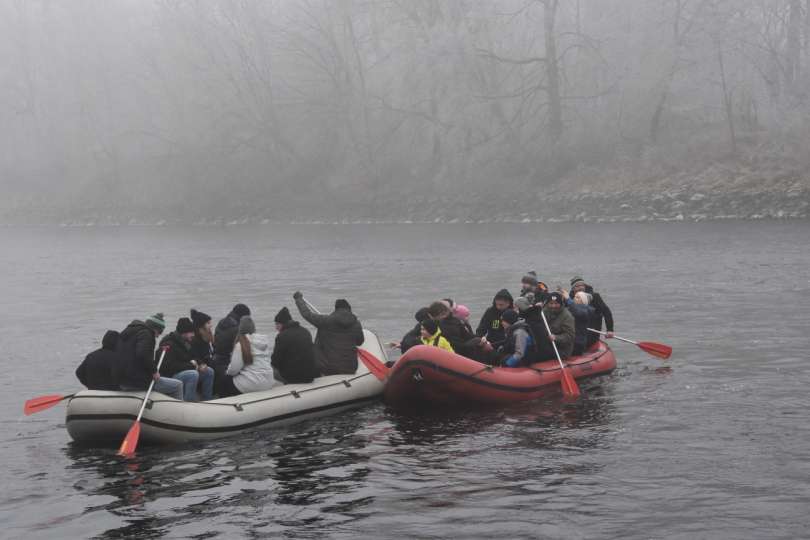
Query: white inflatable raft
<point>95,416</point>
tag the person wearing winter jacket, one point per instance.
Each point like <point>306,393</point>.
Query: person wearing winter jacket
<point>136,357</point>
<point>293,355</point>
<point>519,348</point>
<point>98,371</point>
<point>601,310</point>
<point>250,368</point>
<point>413,337</point>
<point>460,337</point>
<point>561,323</point>
<point>431,335</point>
<point>490,325</point>
<point>528,286</point>
<point>583,317</point>
<point>224,341</point>
<point>180,364</point>
<point>339,335</point>
<point>202,344</point>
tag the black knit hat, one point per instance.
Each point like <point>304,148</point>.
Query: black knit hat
<point>283,316</point>
<point>199,318</point>
<point>342,303</point>
<point>510,316</point>
<point>184,325</point>
<point>431,326</point>
<point>556,296</point>
<point>240,310</point>
<point>576,279</point>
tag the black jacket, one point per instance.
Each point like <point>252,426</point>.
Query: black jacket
<point>412,338</point>
<point>178,355</point>
<point>339,335</point>
<point>457,333</point>
<point>293,355</point>
<point>136,355</point>
<point>99,371</point>
<point>201,350</point>
<point>490,325</point>
<point>584,316</point>
<point>225,339</point>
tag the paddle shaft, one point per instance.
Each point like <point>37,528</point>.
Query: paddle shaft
<point>553,343</point>
<point>151,386</point>
<point>614,336</point>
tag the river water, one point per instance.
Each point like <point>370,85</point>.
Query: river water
<point>717,446</point>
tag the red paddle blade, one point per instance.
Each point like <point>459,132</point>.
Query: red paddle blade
<point>41,403</point>
<point>570,388</point>
<point>656,349</point>
<point>373,364</point>
<point>130,442</point>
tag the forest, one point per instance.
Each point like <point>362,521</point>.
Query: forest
<point>294,110</point>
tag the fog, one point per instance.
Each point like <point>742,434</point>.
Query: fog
<point>228,107</point>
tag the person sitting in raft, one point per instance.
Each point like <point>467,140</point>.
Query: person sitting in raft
<point>414,335</point>
<point>250,369</point>
<point>339,335</point>
<point>490,325</point>
<point>528,286</point>
<point>136,357</point>
<point>584,315</point>
<point>537,329</point>
<point>98,370</point>
<point>541,293</point>
<point>293,355</point>
<point>202,344</point>
<point>561,323</point>
<point>462,313</point>
<point>461,339</point>
<point>519,348</point>
<point>601,310</point>
<point>179,363</point>
<point>224,340</point>
<point>432,335</point>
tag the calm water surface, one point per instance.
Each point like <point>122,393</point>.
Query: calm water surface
<point>716,447</point>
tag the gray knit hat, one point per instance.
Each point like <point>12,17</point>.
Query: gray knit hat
<point>246,325</point>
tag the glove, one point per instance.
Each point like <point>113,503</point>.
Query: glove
<point>297,295</point>
<point>511,362</point>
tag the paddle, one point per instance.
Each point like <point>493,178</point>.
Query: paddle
<point>371,362</point>
<point>656,349</point>
<point>130,442</point>
<point>37,404</point>
<point>569,385</point>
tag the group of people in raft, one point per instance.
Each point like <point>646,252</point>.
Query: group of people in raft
<point>200,362</point>
<point>512,332</point>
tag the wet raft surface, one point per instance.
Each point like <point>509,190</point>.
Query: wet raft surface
<point>719,447</point>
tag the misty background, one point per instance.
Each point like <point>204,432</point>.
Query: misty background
<point>317,109</point>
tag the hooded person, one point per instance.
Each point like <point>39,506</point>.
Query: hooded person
<point>601,310</point>
<point>583,317</point>
<point>250,368</point>
<point>413,337</point>
<point>179,363</point>
<point>490,325</point>
<point>431,334</point>
<point>293,356</point>
<point>339,335</point>
<point>136,357</point>
<point>519,348</point>
<point>561,323</point>
<point>99,371</point>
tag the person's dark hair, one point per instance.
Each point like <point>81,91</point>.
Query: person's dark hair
<point>430,325</point>
<point>240,310</point>
<point>449,301</point>
<point>422,314</point>
<point>438,309</point>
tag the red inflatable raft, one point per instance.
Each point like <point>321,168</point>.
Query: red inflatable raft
<point>431,375</point>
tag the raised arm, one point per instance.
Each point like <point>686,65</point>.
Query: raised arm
<point>315,319</point>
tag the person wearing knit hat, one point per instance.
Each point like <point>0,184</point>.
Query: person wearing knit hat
<point>519,347</point>
<point>246,326</point>
<point>601,309</point>
<point>510,317</point>
<point>490,325</point>
<point>561,324</point>
<point>293,357</point>
<point>432,335</point>
<point>224,340</point>
<point>156,323</point>
<point>179,362</point>
<point>199,318</point>
<point>136,349</point>
<point>339,335</point>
